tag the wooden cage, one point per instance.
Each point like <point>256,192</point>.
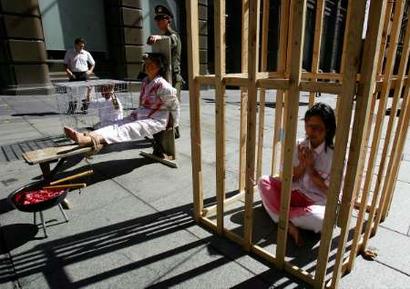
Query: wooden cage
<point>372,76</point>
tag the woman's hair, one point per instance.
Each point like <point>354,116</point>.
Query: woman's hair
<point>159,60</point>
<point>325,112</point>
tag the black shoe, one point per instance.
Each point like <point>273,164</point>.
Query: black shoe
<point>177,135</point>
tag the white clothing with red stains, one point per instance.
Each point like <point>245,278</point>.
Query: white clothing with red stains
<point>158,101</point>
<point>307,204</point>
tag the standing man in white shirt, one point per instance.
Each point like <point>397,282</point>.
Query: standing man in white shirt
<point>77,61</point>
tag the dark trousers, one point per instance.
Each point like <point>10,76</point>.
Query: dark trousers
<point>72,105</point>
<point>79,76</point>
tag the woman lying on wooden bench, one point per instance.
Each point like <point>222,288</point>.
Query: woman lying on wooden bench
<point>158,104</point>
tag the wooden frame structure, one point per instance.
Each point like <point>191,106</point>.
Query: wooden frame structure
<point>362,89</point>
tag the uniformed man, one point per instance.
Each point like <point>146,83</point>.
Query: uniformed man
<point>163,19</point>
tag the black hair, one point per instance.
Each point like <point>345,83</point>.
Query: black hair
<point>79,40</point>
<point>159,60</point>
<point>325,112</point>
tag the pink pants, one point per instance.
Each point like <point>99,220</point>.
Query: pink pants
<point>302,212</point>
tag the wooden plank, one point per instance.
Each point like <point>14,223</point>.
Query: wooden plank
<point>194,97</point>
<point>262,92</point>
<point>395,157</point>
<point>219,25</point>
<point>386,199</point>
<point>54,153</point>
<point>266,255</point>
<point>346,35</point>
<point>322,76</point>
<point>282,61</point>
<point>326,87</point>
<point>317,41</point>
<point>300,273</point>
<point>235,81</point>
<point>206,79</point>
<point>242,139</point>
<point>401,134</point>
<point>295,73</point>
<point>228,201</point>
<point>244,96</point>
<point>355,163</point>
<point>268,83</point>
<point>386,28</point>
<point>276,138</point>
<point>353,50</point>
<point>253,57</point>
<point>397,19</point>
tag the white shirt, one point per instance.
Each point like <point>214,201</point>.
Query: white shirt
<point>106,111</point>
<point>78,61</point>
<point>323,164</point>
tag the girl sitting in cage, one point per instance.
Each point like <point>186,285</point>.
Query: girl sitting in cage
<point>159,107</point>
<point>108,106</point>
<point>311,172</point>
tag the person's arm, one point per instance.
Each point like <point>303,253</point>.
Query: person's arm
<point>92,63</point>
<point>300,166</point>
<point>154,38</point>
<point>66,68</point>
<point>317,180</point>
<point>68,71</point>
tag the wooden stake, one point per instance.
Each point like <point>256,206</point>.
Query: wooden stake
<point>262,92</point>
<point>358,142</point>
<point>295,73</point>
<point>353,50</point>
<point>317,41</point>
<point>244,96</point>
<point>253,59</point>
<point>219,18</point>
<point>381,112</point>
<point>392,119</point>
<point>195,112</point>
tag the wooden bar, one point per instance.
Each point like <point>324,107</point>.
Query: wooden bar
<point>392,119</point>
<point>327,87</point>
<point>235,81</point>
<point>253,60</point>
<point>322,76</point>
<point>206,79</point>
<point>262,92</point>
<point>355,164</point>
<point>386,28</point>
<point>276,139</point>
<point>395,157</point>
<point>228,201</point>
<point>194,103</point>
<point>219,25</point>
<point>317,41</point>
<point>397,19</point>
<point>242,139</point>
<point>267,83</point>
<point>353,50</point>
<point>295,71</point>
<point>244,96</point>
<point>279,107</point>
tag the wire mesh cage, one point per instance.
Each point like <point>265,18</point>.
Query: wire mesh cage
<point>85,105</point>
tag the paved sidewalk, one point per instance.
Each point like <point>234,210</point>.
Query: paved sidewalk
<point>132,226</point>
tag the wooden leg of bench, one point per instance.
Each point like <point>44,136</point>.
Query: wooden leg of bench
<point>166,141</point>
<point>166,162</point>
<point>45,169</point>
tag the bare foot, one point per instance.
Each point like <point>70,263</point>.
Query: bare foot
<point>77,137</point>
<point>294,232</point>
